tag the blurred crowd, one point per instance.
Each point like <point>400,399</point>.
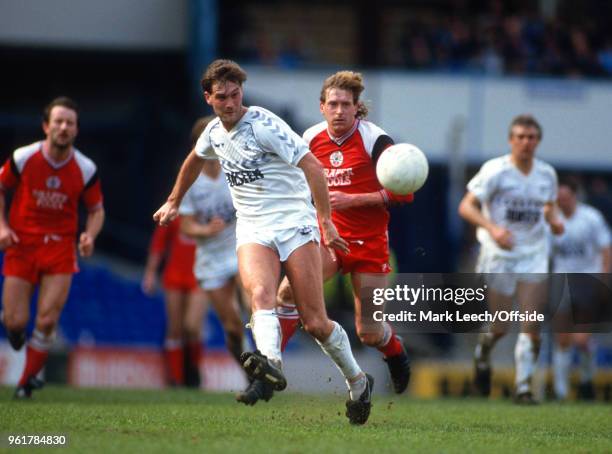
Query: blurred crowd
<point>500,44</point>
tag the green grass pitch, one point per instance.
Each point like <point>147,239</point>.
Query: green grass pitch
<point>109,421</point>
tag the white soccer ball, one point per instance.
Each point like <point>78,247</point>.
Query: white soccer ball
<point>402,168</point>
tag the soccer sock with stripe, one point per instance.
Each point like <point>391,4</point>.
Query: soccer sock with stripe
<point>390,344</point>
<point>37,353</point>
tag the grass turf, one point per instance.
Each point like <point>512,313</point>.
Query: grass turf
<point>108,421</point>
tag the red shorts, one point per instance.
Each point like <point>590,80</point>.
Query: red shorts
<point>370,255</point>
<point>32,258</point>
<point>182,282</point>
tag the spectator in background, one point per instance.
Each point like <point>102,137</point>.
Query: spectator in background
<point>185,301</point>
<point>49,178</point>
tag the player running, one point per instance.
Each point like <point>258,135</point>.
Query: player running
<point>48,178</point>
<point>510,200</point>
<point>584,247</point>
<point>348,147</point>
<point>272,177</point>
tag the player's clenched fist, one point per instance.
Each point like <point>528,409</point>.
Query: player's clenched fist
<point>166,214</point>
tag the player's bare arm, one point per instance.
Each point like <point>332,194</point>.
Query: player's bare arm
<point>93,225</point>
<point>606,259</point>
<point>313,171</point>
<point>341,200</point>
<point>192,228</point>
<point>7,236</point>
<point>550,214</point>
<point>470,209</point>
<point>191,168</point>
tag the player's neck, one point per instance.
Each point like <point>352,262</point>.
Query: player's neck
<point>55,153</point>
<point>568,212</point>
<point>523,165</point>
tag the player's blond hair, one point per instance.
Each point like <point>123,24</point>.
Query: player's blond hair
<point>198,128</point>
<point>221,71</point>
<point>527,121</point>
<point>349,81</point>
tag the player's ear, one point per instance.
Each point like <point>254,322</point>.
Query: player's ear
<point>321,105</point>
<point>207,98</point>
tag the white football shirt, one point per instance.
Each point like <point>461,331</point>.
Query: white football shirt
<point>578,250</point>
<point>259,157</point>
<point>515,201</point>
<point>205,199</point>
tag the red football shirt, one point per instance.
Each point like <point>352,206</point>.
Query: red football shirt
<point>179,250</point>
<point>47,193</point>
<point>348,163</point>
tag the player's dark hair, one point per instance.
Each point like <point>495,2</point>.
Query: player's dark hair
<point>349,81</point>
<point>571,182</point>
<point>198,128</point>
<point>221,71</point>
<point>527,121</point>
<point>62,101</point>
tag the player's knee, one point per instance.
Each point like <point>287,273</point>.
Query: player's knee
<point>316,327</point>
<point>262,298</point>
<point>14,322</point>
<point>369,339</point>
<point>46,323</point>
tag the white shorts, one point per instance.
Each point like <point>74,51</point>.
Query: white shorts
<point>502,273</point>
<point>284,242</point>
<point>213,270</point>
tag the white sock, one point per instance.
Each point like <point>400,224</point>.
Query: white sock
<point>586,364</point>
<point>525,358</point>
<point>562,361</point>
<point>267,334</point>
<point>41,341</point>
<point>338,348</point>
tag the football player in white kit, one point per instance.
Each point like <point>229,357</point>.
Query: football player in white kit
<point>272,177</point>
<point>510,200</point>
<point>584,247</point>
<point>208,216</point>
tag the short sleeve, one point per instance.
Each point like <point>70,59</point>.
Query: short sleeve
<point>8,175</point>
<point>602,230</point>
<point>92,194</point>
<point>203,147</point>
<point>482,184</point>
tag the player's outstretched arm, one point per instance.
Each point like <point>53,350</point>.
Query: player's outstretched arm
<point>191,168</point>
<point>93,225</point>
<point>341,200</point>
<point>313,170</point>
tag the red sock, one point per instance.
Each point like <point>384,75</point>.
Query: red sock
<point>393,348</point>
<point>174,360</point>
<point>35,361</point>
<point>289,320</point>
<point>194,352</point>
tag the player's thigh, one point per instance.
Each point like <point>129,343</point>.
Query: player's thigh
<point>16,295</point>
<point>259,268</point>
<point>303,269</point>
<point>52,296</point>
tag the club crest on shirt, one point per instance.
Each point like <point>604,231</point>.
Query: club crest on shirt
<point>336,158</point>
<point>53,182</point>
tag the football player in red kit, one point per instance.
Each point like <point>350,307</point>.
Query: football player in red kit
<point>48,178</point>
<point>348,146</point>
